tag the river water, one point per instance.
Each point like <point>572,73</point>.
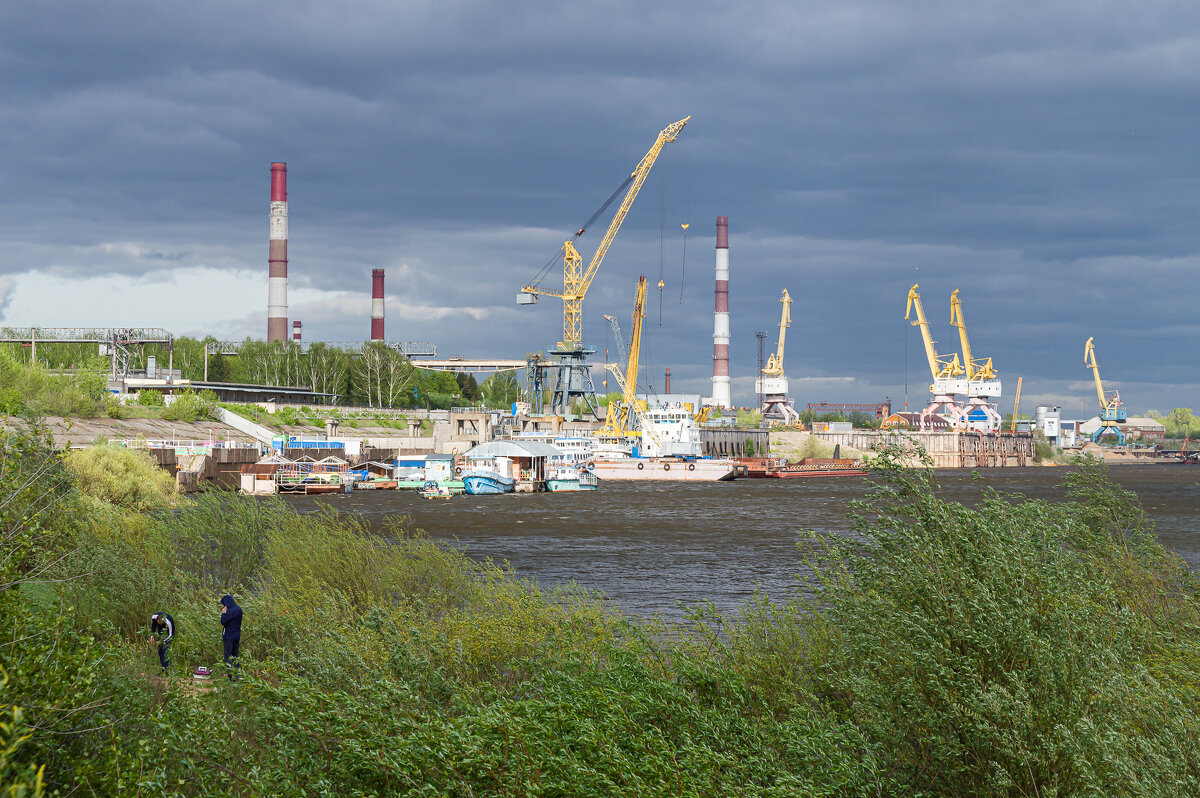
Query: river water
<point>653,547</point>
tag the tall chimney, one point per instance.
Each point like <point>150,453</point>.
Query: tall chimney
<point>277,256</point>
<point>720,389</point>
<point>668,379</point>
<point>377,305</point>
<point>296,333</point>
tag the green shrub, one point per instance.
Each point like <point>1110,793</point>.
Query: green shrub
<point>31,389</point>
<point>150,398</point>
<point>191,406</point>
<point>129,478</point>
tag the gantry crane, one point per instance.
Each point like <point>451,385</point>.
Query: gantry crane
<point>982,385</point>
<point>772,385</point>
<point>574,375</point>
<point>1112,409</point>
<point>947,373</point>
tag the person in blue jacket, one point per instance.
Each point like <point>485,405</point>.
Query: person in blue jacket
<point>162,632</point>
<point>231,619</point>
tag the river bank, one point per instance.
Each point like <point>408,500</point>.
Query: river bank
<point>378,661</point>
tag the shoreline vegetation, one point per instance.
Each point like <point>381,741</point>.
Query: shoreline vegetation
<point>1016,647</point>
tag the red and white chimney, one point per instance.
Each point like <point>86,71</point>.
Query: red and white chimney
<point>277,258</point>
<point>720,382</point>
<point>377,305</point>
<point>296,333</point>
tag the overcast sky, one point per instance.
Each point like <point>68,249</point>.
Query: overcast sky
<point>1040,157</point>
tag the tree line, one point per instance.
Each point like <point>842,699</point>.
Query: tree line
<point>375,375</point>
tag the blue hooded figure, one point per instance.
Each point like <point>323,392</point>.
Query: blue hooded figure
<point>231,619</point>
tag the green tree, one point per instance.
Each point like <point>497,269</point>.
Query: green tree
<point>501,389</point>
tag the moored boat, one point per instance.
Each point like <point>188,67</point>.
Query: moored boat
<point>485,481</point>
<point>434,490</point>
<point>674,469</point>
<point>780,468</point>
<point>570,478</point>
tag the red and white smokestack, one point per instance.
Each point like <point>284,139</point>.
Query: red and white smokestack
<point>277,256</point>
<point>377,305</point>
<point>668,379</point>
<point>720,389</point>
<point>296,333</point>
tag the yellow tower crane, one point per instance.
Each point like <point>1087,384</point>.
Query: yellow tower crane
<point>976,370</point>
<point>771,384</point>
<point>982,385</point>
<point>1112,409</point>
<point>946,372</point>
<point>576,279</point>
<point>617,420</point>
<point>939,367</point>
<point>774,367</point>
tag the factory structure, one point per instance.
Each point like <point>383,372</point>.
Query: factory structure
<point>277,256</point>
<point>721,396</point>
<point>377,305</point>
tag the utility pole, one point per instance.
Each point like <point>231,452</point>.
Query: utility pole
<point>761,336</point>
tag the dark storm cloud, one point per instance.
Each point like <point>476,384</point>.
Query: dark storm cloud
<point>1039,158</point>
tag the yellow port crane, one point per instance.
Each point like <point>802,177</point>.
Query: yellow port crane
<point>576,279</point>
<point>618,421</point>
<point>976,370</point>
<point>982,385</point>
<point>774,367</point>
<point>1112,409</point>
<point>1016,405</point>
<point>941,368</point>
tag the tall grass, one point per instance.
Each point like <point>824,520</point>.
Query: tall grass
<point>1012,648</point>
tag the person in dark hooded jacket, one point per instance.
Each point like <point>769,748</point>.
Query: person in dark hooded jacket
<point>231,619</point>
<point>162,632</point>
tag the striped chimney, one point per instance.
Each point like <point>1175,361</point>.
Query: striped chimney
<point>277,256</point>
<point>377,305</point>
<point>296,333</point>
<point>720,389</point>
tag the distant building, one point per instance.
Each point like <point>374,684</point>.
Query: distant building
<point>1136,428</point>
<point>903,421</point>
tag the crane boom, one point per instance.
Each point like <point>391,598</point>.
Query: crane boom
<point>1089,360</point>
<point>616,331</point>
<point>576,279</point>
<point>1016,404</point>
<point>617,423</point>
<point>974,372</point>
<point>774,367</point>
<point>940,368</point>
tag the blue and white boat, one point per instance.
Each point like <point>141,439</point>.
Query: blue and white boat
<point>484,481</point>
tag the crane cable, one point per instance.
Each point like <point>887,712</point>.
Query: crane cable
<point>556,257</point>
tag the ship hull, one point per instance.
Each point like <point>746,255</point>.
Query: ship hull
<point>486,484</point>
<point>638,468</point>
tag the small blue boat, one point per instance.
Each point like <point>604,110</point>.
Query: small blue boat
<point>479,481</point>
